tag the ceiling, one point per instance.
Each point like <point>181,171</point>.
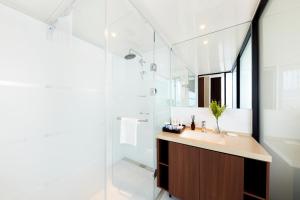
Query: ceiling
<point>88,21</point>
<point>132,31</point>
<point>43,10</point>
<point>212,53</point>
<point>180,20</point>
<point>177,21</point>
<point>186,24</point>
<point>88,16</point>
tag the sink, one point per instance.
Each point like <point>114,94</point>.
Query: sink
<point>203,136</point>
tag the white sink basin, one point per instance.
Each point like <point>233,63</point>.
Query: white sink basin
<point>206,137</point>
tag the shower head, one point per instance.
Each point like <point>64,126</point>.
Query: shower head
<point>130,56</point>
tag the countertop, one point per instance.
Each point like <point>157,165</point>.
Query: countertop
<point>234,144</point>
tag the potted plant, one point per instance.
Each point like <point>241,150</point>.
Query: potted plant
<point>217,111</point>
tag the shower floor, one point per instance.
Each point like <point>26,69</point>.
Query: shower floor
<point>131,182</point>
<point>165,196</point>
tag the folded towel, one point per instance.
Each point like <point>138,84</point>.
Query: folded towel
<point>128,131</point>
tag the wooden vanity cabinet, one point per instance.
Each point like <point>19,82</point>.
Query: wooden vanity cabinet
<point>184,171</point>
<point>221,176</point>
<point>192,173</point>
<point>196,173</point>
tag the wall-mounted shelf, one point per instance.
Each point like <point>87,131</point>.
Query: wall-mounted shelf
<point>163,164</point>
<point>256,180</point>
<point>249,196</point>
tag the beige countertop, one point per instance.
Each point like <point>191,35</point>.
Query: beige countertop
<point>234,144</point>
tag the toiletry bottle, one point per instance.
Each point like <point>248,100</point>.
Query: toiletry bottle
<point>193,126</point>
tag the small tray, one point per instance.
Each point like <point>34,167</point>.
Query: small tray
<point>165,129</point>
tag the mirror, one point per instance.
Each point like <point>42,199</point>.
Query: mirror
<point>210,88</point>
<point>183,85</point>
<point>216,87</point>
<point>217,66</point>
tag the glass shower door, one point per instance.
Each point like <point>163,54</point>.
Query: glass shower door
<point>162,98</point>
<point>130,54</point>
<point>132,130</point>
<point>139,64</point>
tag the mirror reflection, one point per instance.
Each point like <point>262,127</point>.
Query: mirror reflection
<point>215,67</point>
<point>183,84</point>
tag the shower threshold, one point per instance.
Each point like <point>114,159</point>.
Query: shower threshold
<point>138,164</point>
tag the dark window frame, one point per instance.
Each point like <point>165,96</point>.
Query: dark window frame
<point>255,69</point>
<point>252,33</point>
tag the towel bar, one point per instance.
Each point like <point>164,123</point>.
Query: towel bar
<point>140,120</point>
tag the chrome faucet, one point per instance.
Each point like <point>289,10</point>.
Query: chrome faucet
<point>203,126</point>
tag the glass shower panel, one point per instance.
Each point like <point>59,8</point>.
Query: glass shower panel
<point>52,104</point>
<point>133,96</point>
<point>162,99</point>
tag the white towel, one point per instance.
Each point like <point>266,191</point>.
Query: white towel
<point>128,131</point>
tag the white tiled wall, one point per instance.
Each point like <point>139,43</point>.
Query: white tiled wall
<point>51,114</point>
<point>236,120</point>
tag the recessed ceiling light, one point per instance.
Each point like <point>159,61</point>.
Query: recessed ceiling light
<point>205,42</point>
<point>113,34</point>
<point>202,26</point>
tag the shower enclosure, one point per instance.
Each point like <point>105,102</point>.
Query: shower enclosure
<point>68,81</point>
<point>139,63</point>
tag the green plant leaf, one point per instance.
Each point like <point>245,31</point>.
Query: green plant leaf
<point>216,109</point>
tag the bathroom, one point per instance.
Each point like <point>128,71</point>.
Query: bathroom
<point>87,86</point>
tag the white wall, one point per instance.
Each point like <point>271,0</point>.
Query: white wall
<point>236,120</point>
<point>280,94</point>
<point>51,114</point>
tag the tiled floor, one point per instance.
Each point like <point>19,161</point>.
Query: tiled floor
<point>166,197</point>
<point>131,182</point>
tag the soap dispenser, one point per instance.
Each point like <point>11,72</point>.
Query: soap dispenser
<point>193,126</point>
